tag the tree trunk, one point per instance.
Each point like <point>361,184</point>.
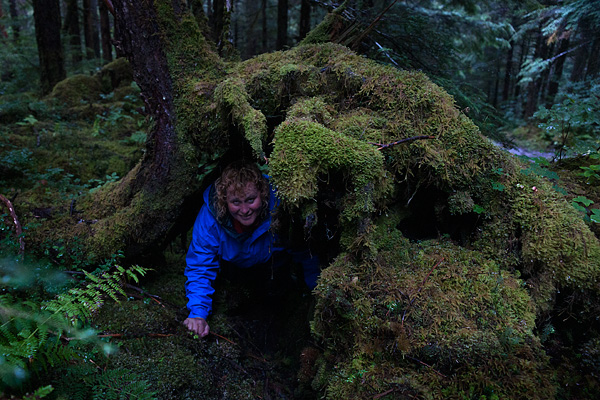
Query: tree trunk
<point>581,54</point>
<point>593,65</point>
<point>138,213</point>
<point>508,73</point>
<point>71,26</point>
<point>14,16</point>
<point>90,28</point>
<point>282,24</point>
<point>265,34</point>
<point>46,15</point>
<point>105,32</point>
<point>533,88</point>
<point>3,33</point>
<point>557,72</point>
<point>304,19</point>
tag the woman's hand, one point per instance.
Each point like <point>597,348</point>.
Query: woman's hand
<point>197,325</point>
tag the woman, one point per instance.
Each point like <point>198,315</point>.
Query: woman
<point>233,225</point>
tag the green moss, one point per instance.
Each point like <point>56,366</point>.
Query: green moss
<point>425,319</point>
<point>305,150</point>
<point>232,98</point>
<point>75,89</point>
<point>116,74</point>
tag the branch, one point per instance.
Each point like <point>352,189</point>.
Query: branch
<point>552,59</point>
<point>18,229</point>
<point>370,27</point>
<point>427,365</point>
<point>410,139</point>
<point>109,5</point>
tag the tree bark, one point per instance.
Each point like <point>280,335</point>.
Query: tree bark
<point>282,24</point>
<point>105,32</point>
<point>46,15</point>
<point>71,26</point>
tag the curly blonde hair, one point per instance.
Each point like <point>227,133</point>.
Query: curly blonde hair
<point>236,176</point>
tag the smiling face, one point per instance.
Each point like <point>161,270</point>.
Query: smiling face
<point>244,205</point>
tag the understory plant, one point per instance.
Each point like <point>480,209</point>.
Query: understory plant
<point>46,327</point>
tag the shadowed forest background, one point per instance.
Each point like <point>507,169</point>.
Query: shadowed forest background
<point>442,158</point>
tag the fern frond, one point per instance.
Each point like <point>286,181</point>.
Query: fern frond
<point>121,384</point>
<point>40,393</point>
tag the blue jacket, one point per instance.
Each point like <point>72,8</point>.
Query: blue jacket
<point>213,242</point>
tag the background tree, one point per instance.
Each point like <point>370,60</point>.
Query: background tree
<point>105,33</point>
<point>91,28</point>
<point>72,28</point>
<point>50,49</point>
<point>282,24</point>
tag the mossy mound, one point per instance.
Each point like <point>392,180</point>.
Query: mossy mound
<point>428,320</point>
<point>338,113</point>
<point>78,90</point>
<point>353,143</point>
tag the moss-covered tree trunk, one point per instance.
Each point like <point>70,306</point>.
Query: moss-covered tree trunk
<point>177,71</point>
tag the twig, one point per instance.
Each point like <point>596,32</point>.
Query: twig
<point>382,146</point>
<point>18,229</point>
<point>427,365</point>
<point>223,337</point>
<point>380,395</point>
<point>371,26</point>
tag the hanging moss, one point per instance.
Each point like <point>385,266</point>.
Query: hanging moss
<point>306,150</point>
<point>231,96</point>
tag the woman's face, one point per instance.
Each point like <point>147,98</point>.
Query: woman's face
<point>244,206</point>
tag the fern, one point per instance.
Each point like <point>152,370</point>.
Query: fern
<point>37,336</point>
<point>121,384</point>
<point>40,393</point>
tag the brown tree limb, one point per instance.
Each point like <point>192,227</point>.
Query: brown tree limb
<point>110,6</point>
<point>382,146</point>
<point>371,26</point>
<point>18,229</point>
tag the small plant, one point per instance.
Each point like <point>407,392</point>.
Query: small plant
<point>36,335</point>
<point>573,123</point>
<point>582,204</point>
<point>592,172</point>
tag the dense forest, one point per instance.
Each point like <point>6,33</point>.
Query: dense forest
<point>441,157</point>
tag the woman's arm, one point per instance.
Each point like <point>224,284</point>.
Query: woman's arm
<point>202,266</point>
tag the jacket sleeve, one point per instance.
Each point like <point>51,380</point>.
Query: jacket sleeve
<point>202,264</point>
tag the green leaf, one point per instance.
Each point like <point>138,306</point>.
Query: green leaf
<point>595,216</point>
<point>583,200</point>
